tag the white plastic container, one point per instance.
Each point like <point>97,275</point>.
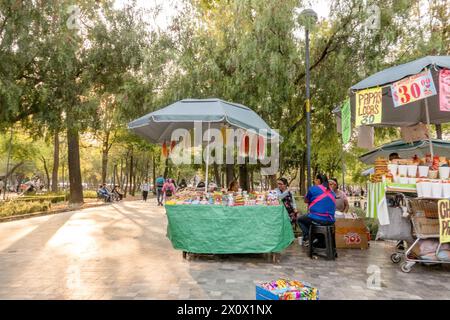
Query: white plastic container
<point>402,170</point>
<point>419,189</point>
<point>393,168</point>
<point>423,171</point>
<point>412,171</point>
<point>426,189</point>
<point>412,180</point>
<point>396,179</point>
<point>436,189</point>
<point>446,190</point>
<point>444,172</point>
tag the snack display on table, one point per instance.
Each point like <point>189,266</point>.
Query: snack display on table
<point>428,175</point>
<point>193,197</point>
<point>284,289</point>
<point>381,169</point>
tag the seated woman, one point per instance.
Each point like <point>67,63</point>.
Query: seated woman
<point>342,204</point>
<point>321,202</point>
<point>117,193</point>
<point>234,186</point>
<point>286,196</point>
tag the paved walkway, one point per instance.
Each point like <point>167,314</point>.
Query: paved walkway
<point>120,252</point>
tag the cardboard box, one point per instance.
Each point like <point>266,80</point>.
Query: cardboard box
<point>351,234</point>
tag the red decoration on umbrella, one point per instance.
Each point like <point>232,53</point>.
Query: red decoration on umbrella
<point>172,145</point>
<point>164,150</point>
<point>245,145</point>
<point>260,148</point>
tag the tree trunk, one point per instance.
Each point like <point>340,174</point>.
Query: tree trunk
<point>105,151</point>
<point>121,174</point>
<point>438,131</point>
<point>154,173</point>
<point>229,173</point>
<point>55,162</point>
<point>73,149</point>
<point>243,177</point>
<point>126,186</point>
<point>166,168</point>
<point>134,177</point>
<point>216,174</point>
<point>252,182</point>
<point>273,181</point>
<point>47,174</point>
<point>131,173</point>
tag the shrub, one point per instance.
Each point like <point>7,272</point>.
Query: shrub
<point>14,208</point>
<point>41,198</point>
<point>90,194</point>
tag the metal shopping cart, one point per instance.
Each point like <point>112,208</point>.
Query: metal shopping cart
<point>425,221</point>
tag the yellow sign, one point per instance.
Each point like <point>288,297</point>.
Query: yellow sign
<point>444,221</point>
<point>368,107</point>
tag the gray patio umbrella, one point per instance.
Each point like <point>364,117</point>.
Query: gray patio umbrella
<point>407,150</point>
<point>414,112</point>
<point>157,127</point>
<point>425,110</point>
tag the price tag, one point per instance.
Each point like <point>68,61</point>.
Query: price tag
<point>417,87</point>
<point>368,107</point>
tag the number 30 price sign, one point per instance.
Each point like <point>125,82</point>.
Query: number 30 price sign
<point>417,87</point>
<point>368,107</point>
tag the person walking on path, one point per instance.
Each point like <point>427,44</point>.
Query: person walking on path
<point>145,189</point>
<point>159,182</point>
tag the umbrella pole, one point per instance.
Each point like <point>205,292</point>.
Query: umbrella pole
<point>207,157</point>
<point>428,124</point>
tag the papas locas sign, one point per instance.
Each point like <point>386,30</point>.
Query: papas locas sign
<point>444,221</point>
<point>368,106</point>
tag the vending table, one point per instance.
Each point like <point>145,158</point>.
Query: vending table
<point>217,229</point>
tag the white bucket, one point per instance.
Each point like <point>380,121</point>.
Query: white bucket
<point>446,190</point>
<point>426,189</point>
<point>403,180</point>
<point>402,170</point>
<point>393,167</point>
<point>419,189</point>
<point>412,171</point>
<point>412,180</point>
<point>436,190</point>
<point>423,171</point>
<point>444,172</point>
<point>396,179</point>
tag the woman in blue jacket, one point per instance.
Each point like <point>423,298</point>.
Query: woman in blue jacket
<point>321,202</point>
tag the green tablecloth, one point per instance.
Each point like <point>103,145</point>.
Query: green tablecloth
<point>222,229</point>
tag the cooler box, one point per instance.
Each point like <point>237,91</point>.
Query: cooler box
<point>351,234</point>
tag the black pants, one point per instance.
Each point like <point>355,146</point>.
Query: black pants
<point>144,195</point>
<point>304,222</point>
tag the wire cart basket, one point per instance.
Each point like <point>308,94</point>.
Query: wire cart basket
<point>424,218</point>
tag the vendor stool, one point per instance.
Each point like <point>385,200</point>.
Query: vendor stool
<point>326,246</point>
